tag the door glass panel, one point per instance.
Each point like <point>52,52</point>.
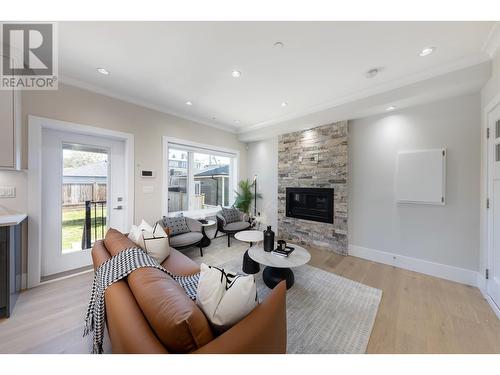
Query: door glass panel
<point>177,180</point>
<point>84,196</point>
<point>211,173</point>
<point>497,129</point>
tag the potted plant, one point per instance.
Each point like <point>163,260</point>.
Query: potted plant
<point>245,196</point>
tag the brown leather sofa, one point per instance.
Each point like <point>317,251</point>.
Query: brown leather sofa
<point>150,313</point>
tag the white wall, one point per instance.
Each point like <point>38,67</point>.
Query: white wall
<point>262,159</point>
<point>18,180</point>
<point>148,126</point>
<point>447,234</point>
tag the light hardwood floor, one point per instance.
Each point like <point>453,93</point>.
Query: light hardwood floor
<point>417,314</point>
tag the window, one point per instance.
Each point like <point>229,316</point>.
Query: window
<point>199,178</point>
<point>84,196</point>
<point>177,181</point>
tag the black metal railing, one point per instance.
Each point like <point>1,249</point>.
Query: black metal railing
<point>93,223</point>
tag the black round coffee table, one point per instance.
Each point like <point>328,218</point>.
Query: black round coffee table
<point>279,268</point>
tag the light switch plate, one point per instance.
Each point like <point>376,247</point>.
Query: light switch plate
<point>148,189</point>
<point>7,192</point>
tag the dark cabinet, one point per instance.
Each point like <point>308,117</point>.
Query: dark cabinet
<point>10,267</point>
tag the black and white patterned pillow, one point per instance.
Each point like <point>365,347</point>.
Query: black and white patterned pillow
<point>231,215</point>
<point>177,225</point>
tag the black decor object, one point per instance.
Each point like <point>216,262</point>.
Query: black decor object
<point>268,239</point>
<point>282,245</point>
<point>250,266</point>
<point>255,196</point>
<point>272,276</point>
<point>314,204</point>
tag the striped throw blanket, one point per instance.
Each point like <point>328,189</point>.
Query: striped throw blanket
<point>113,270</point>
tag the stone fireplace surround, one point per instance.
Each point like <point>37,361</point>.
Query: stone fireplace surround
<point>316,157</point>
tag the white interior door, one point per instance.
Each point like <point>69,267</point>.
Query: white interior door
<point>493,282</point>
<point>83,194</point>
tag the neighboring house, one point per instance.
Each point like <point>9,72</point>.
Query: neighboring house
<point>214,184</point>
<point>87,182</point>
<point>211,188</point>
<point>87,174</point>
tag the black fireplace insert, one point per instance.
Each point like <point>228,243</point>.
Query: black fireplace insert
<point>315,204</point>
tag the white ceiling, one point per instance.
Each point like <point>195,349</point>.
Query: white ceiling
<point>164,64</point>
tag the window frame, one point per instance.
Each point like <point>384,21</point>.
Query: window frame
<point>191,148</point>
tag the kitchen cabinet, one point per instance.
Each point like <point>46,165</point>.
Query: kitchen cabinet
<point>10,261</point>
<point>10,128</point>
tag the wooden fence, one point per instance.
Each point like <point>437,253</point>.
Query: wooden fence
<point>77,194</point>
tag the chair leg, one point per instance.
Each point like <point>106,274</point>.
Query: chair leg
<point>216,231</point>
<point>201,250</point>
<point>228,240</point>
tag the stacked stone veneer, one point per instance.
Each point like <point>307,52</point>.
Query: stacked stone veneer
<point>315,158</point>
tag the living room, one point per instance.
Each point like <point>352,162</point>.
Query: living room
<point>251,187</point>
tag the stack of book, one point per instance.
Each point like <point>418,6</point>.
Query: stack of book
<point>283,253</point>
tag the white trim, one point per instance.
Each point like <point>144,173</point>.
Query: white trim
<point>361,94</point>
<point>129,99</point>
<point>382,88</point>
<point>481,285</point>
<point>35,126</point>
<point>485,214</point>
<point>492,44</point>
<point>66,277</point>
<point>235,154</point>
<point>443,271</point>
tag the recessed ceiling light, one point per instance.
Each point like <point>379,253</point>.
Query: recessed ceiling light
<point>236,121</point>
<point>103,71</point>
<point>426,51</point>
<point>284,104</point>
<point>390,108</point>
<point>279,44</point>
<point>236,73</point>
<point>372,73</point>
<point>189,102</point>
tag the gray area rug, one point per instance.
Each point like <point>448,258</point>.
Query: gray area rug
<point>326,313</point>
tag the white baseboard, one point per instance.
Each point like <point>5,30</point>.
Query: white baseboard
<point>481,284</point>
<point>443,271</point>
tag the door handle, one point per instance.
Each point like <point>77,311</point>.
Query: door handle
<point>118,208</point>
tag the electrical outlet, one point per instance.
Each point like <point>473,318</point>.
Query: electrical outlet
<point>7,192</point>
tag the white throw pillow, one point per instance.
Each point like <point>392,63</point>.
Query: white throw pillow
<point>135,235</point>
<point>145,226</point>
<point>225,297</point>
<point>152,240</point>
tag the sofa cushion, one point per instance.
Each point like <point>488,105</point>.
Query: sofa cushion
<point>185,239</point>
<point>179,324</point>
<point>179,264</point>
<point>115,241</point>
<point>239,225</point>
<point>177,225</point>
<point>231,215</point>
<point>176,320</point>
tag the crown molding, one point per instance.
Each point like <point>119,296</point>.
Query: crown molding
<point>129,99</point>
<point>492,44</point>
<point>460,82</point>
<point>379,89</point>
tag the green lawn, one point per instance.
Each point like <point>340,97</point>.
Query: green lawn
<point>73,219</point>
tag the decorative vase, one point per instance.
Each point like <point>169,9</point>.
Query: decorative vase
<point>268,239</point>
